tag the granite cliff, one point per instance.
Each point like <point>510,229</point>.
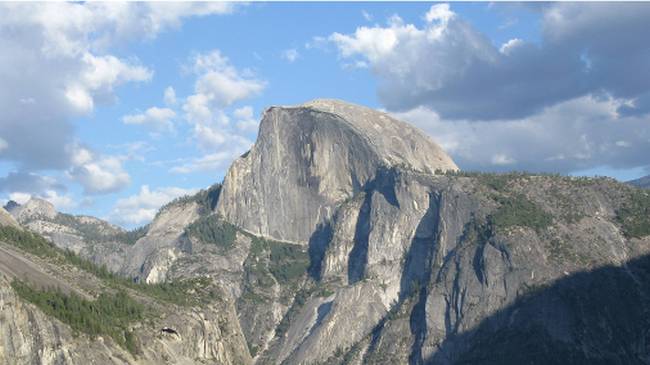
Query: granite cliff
<point>345,236</point>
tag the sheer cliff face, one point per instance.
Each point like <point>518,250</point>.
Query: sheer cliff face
<point>404,265</point>
<point>310,158</point>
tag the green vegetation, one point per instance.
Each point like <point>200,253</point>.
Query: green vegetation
<point>496,181</point>
<point>269,262</point>
<point>30,242</point>
<point>299,300</point>
<point>499,181</point>
<point>109,315</point>
<point>206,198</point>
<point>132,236</point>
<point>634,215</point>
<point>91,232</point>
<point>209,229</point>
<point>286,262</point>
<point>519,211</point>
<point>176,292</point>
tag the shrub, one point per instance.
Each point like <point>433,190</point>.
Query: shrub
<point>206,198</point>
<point>172,292</point>
<point>634,214</point>
<point>109,315</point>
<point>519,211</point>
<point>213,231</point>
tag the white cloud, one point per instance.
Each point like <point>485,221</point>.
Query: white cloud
<point>210,162</point>
<point>141,208</point>
<point>209,138</point>
<point>20,198</point>
<point>446,64</point>
<point>366,15</point>
<point>218,87</point>
<point>507,47</point>
<point>220,83</point>
<point>60,202</point>
<point>170,96</point>
<point>105,72</point>
<point>97,174</point>
<point>64,67</point>
<point>291,55</point>
<point>439,12</point>
<point>579,134</point>
<point>245,121</point>
<point>159,118</point>
<point>3,144</point>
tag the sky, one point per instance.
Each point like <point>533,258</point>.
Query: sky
<point>113,109</point>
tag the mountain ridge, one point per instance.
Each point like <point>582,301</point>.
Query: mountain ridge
<point>642,182</point>
<point>385,262</point>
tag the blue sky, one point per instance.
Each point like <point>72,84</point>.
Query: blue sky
<point>93,125</point>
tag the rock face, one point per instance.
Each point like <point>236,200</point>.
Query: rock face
<point>82,235</point>
<point>203,335</point>
<point>338,240</point>
<point>34,208</point>
<point>310,158</point>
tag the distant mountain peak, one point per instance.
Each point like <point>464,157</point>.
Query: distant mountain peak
<point>642,182</point>
<point>34,207</point>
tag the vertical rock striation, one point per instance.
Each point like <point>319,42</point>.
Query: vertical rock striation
<point>308,159</point>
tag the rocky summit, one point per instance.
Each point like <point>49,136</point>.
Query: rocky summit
<point>310,158</point>
<point>343,236</point>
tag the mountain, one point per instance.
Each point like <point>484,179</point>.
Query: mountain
<point>643,182</point>
<point>345,236</point>
<point>311,158</point>
<point>6,219</point>
<point>88,236</point>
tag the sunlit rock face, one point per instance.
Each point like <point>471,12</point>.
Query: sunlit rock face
<point>310,158</point>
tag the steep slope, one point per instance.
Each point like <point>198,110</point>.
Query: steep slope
<point>7,219</point>
<point>388,238</point>
<point>346,237</point>
<point>310,158</point>
<point>184,323</point>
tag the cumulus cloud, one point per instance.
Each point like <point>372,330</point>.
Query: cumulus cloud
<point>141,208</point>
<point>219,85</point>
<point>62,67</point>
<point>246,121</point>
<point>158,118</point>
<point>449,66</point>
<point>98,174</point>
<point>61,202</point>
<point>578,134</point>
<point>291,55</point>
<point>218,88</point>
